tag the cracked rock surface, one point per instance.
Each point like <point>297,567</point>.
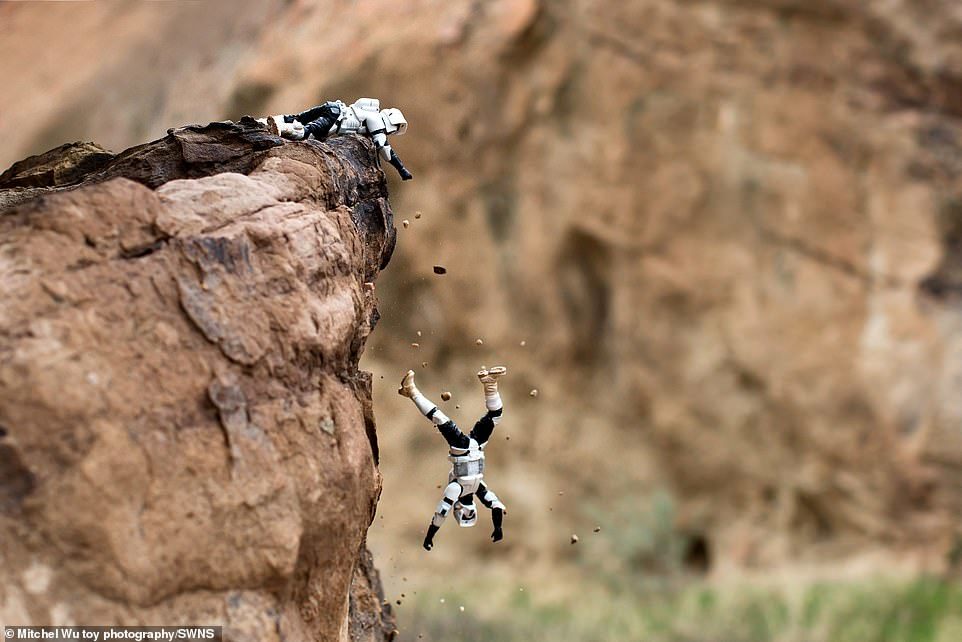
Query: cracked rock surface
<point>185,435</point>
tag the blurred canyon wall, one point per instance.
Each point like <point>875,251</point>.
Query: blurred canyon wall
<point>728,231</point>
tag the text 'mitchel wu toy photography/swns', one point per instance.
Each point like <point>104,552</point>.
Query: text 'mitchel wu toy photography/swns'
<point>654,333</point>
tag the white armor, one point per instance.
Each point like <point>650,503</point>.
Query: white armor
<point>466,454</point>
<point>364,117</point>
<point>468,466</point>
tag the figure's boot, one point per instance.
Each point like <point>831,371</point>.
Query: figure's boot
<point>489,379</point>
<point>408,389</point>
<point>425,405</point>
<point>279,126</point>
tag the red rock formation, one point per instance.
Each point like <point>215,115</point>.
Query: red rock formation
<point>186,436</point>
<point>716,213</point>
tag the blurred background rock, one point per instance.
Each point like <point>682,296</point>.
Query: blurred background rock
<point>728,233</point>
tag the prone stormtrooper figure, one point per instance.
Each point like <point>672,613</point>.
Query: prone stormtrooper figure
<point>466,455</point>
<point>333,118</point>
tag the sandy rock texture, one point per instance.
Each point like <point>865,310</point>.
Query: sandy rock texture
<point>185,434</point>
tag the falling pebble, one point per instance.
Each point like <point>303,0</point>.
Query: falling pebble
<point>461,608</point>
<point>507,437</point>
<point>419,333</point>
<point>561,492</point>
<point>405,223</point>
<point>574,538</point>
<point>457,406</point>
<point>440,269</point>
<point>534,392</point>
<point>445,396</point>
<point>418,345</point>
<point>521,588</point>
<point>402,595</point>
<point>480,342</point>
<point>417,214</point>
<point>442,600</point>
<point>424,364</point>
<point>404,579</point>
<point>597,529</point>
<point>523,343</point>
<point>399,602</point>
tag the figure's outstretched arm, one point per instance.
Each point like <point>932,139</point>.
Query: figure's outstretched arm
<point>388,154</point>
<point>449,430</point>
<point>491,501</point>
<point>492,400</point>
<point>451,494</point>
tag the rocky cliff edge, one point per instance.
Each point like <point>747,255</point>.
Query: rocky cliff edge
<point>185,436</point>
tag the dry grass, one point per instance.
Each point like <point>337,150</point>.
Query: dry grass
<point>883,610</point>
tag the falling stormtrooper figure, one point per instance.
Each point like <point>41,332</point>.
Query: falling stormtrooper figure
<point>334,118</point>
<point>466,455</point>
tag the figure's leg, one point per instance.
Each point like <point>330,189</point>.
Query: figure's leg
<point>427,407</point>
<point>489,381</point>
<point>320,120</point>
<point>491,501</point>
<point>451,493</point>
<point>449,430</point>
<point>492,400</point>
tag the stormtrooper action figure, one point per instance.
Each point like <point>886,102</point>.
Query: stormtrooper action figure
<point>466,455</point>
<point>334,118</point>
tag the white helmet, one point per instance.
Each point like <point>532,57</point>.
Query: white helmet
<point>394,121</point>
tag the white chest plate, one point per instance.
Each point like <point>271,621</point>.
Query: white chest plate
<point>468,464</point>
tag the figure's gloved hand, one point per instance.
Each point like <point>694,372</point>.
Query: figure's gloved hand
<point>497,515</point>
<point>429,538</point>
<point>399,166</point>
<point>297,131</point>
